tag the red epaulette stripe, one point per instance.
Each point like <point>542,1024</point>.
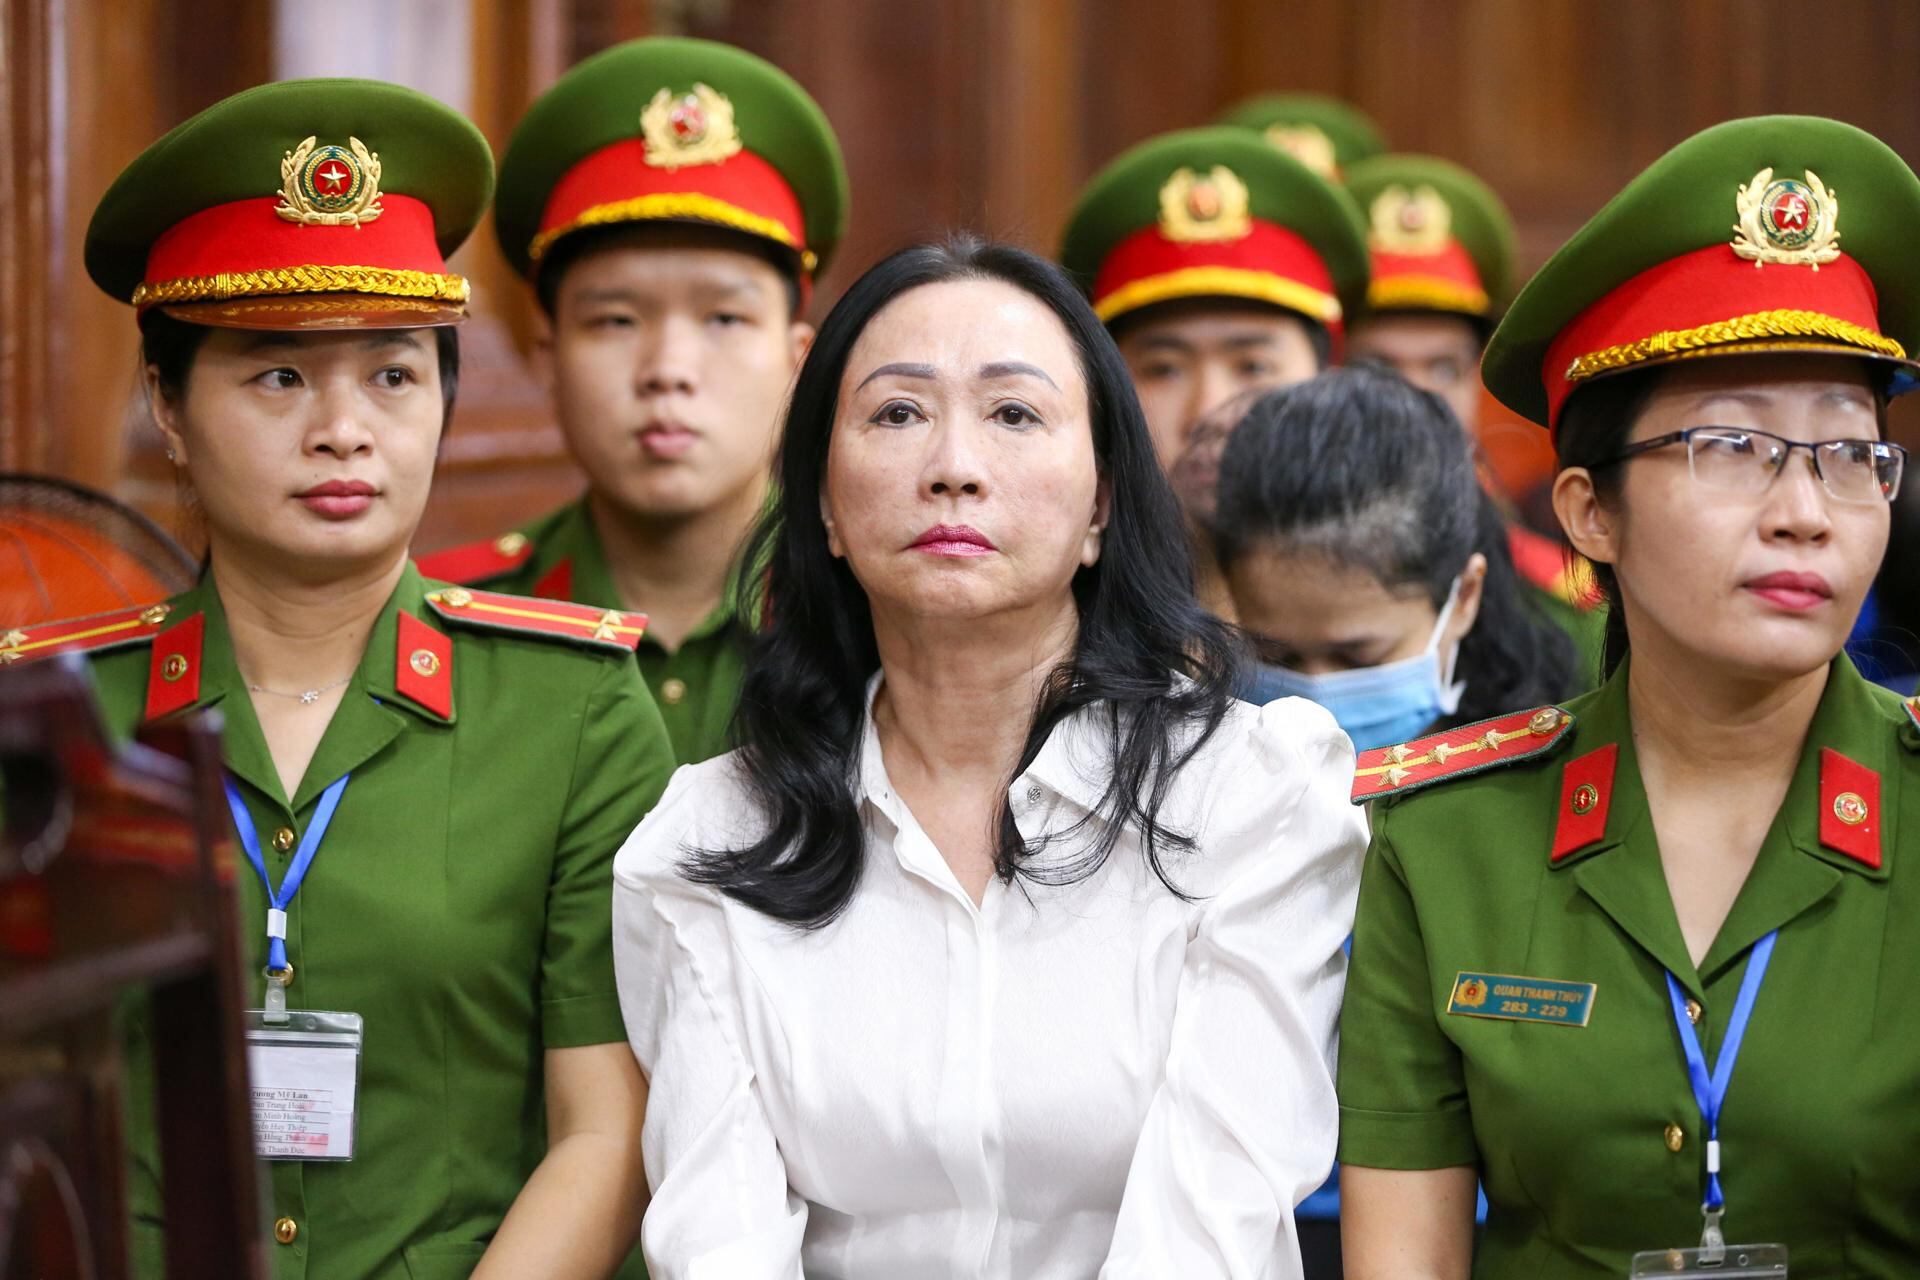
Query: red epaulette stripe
<point>477,561</point>
<point>83,635</point>
<point>543,617</point>
<point>1468,749</point>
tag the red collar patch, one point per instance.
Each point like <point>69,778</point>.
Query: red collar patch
<point>1586,792</point>
<point>1850,808</point>
<point>173,668</point>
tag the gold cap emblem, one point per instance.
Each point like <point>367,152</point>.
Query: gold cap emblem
<point>689,128</point>
<point>1787,222</point>
<point>1204,208</point>
<point>1307,143</point>
<point>1410,222</point>
<point>331,185</point>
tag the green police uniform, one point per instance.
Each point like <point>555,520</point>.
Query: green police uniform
<point>658,131</point>
<point>1586,1136</point>
<point>559,557</point>
<point>496,751</point>
<point>1508,1004</point>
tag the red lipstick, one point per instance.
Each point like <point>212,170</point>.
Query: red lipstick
<point>954,540</point>
<point>1793,592</point>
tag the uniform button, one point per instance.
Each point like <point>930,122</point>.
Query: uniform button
<point>285,1229</point>
<point>283,839</point>
<point>1676,1137</point>
<point>1694,1011</point>
<point>672,691</point>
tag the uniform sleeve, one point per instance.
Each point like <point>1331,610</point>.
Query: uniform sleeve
<point>1403,1094</point>
<point>721,1207</point>
<point>620,767</point>
<point>1242,1127</point>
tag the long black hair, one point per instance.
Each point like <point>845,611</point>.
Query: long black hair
<point>1156,667</point>
<point>1373,473</point>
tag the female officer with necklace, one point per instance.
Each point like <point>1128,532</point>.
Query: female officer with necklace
<point>429,782</point>
<point>1641,963</point>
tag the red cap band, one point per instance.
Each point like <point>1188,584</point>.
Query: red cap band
<point>1268,264</point>
<point>247,235</point>
<point>1445,280</point>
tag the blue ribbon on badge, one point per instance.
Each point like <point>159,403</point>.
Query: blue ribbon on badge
<point>1710,1088</point>
<point>278,899</point>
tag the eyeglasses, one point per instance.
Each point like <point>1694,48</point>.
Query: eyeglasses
<point>1736,460</point>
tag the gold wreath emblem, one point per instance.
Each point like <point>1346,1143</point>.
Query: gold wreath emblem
<point>1787,222</point>
<point>1308,144</point>
<point>1410,222</point>
<point>689,128</point>
<point>331,185</point>
<point>1204,209</point>
<point>1470,994</point>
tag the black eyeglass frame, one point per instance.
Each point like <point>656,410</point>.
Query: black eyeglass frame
<point>1883,450</point>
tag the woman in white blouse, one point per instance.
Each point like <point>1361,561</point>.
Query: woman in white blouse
<point>1008,944</point>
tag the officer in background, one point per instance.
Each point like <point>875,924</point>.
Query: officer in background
<point>1327,135</point>
<point>1443,250</point>
<point>1223,267</point>
<point>671,202</point>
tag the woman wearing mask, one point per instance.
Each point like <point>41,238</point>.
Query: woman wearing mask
<point>1009,941</point>
<point>1643,962</point>
<point>429,783</point>
<point>1368,567</point>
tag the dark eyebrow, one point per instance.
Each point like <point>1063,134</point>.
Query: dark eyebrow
<point>1016,369</point>
<point>381,340</point>
<point>899,371</point>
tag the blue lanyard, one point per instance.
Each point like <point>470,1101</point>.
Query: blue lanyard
<point>1710,1090</point>
<point>278,899</point>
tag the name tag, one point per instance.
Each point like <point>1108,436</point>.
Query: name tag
<point>305,1079</point>
<point>1517,999</point>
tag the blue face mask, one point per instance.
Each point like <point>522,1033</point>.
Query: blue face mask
<point>1377,706</point>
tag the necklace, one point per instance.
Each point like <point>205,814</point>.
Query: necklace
<point>308,697</point>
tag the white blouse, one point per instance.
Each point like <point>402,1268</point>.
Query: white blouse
<point>1062,1081</point>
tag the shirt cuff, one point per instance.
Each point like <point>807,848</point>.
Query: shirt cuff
<point>1407,1139</point>
<point>573,1021</point>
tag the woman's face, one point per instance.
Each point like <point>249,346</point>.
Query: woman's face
<point>309,451</point>
<point>1311,614</point>
<point>961,479</point>
<point>1762,584</point>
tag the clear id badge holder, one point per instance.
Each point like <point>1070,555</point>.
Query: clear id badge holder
<point>303,1066</point>
<point>1713,1260</point>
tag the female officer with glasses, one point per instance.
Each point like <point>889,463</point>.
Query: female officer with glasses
<point>1643,963</point>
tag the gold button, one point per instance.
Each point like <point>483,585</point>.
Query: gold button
<point>1676,1137</point>
<point>1545,720</point>
<point>510,544</point>
<point>1694,1011</point>
<point>672,691</point>
<point>456,597</point>
<point>154,615</point>
<point>283,839</point>
<point>285,1229</point>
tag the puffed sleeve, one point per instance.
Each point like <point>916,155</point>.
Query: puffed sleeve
<point>721,1207</point>
<point>1242,1127</point>
<point>621,762</point>
<point>1403,1091</point>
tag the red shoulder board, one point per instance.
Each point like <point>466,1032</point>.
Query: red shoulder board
<point>1544,563</point>
<point>1913,711</point>
<point>582,623</point>
<point>478,561</point>
<point>1472,748</point>
<point>93,634</point>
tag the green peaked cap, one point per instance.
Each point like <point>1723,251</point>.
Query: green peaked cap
<point>1125,198</point>
<point>1691,200</point>
<point>600,102</point>
<point>1479,220</point>
<point>233,152</point>
<point>1353,134</point>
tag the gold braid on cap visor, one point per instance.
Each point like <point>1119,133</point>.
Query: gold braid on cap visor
<point>682,206</point>
<point>388,282</point>
<point>1761,324</point>
<point>1426,293</point>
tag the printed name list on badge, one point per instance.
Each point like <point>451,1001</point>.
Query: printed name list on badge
<point>305,1079</point>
